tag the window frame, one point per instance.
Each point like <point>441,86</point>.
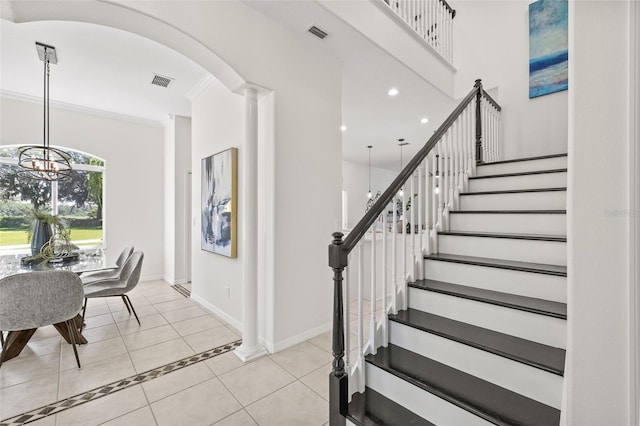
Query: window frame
<point>54,191</point>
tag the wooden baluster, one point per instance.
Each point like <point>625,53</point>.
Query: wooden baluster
<point>403,278</point>
<point>385,293</point>
<point>373,347</point>
<point>347,315</point>
<point>394,255</point>
<point>456,163</point>
<point>499,136</point>
<point>445,171</point>
<point>412,228</point>
<point>338,379</point>
<point>360,319</point>
<point>423,20</point>
<point>459,132</point>
<point>426,248</point>
<point>479,159</point>
<point>420,252</point>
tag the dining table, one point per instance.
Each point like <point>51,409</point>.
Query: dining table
<point>86,261</point>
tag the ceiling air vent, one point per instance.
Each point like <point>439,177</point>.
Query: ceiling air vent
<point>161,81</point>
<point>318,32</point>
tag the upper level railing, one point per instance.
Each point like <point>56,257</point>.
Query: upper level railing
<point>431,19</point>
<point>410,214</point>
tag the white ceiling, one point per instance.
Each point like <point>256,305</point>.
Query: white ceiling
<point>371,116</point>
<point>98,67</point>
<point>111,70</point>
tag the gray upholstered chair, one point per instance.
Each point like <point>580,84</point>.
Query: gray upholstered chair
<point>92,277</point>
<point>35,299</point>
<point>117,287</point>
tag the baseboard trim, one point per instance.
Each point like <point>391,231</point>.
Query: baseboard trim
<point>299,338</point>
<point>153,278</point>
<point>218,312</point>
<point>176,281</point>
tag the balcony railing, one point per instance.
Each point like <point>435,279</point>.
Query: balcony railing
<point>431,19</point>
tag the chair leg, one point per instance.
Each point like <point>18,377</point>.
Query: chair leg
<point>1,338</point>
<point>84,310</point>
<point>131,305</point>
<point>126,304</point>
<point>72,334</point>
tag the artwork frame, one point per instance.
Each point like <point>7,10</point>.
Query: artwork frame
<point>548,47</point>
<point>219,202</point>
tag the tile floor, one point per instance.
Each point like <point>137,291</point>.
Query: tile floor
<point>213,388</point>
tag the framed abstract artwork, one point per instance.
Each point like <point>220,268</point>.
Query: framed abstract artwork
<point>548,47</point>
<point>219,195</point>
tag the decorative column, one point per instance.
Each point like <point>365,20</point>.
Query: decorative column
<point>250,349</point>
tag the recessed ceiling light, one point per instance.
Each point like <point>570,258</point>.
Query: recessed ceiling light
<point>393,91</point>
<point>343,128</point>
<point>424,120</point>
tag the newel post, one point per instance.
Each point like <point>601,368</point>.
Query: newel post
<point>338,379</point>
<point>478,87</point>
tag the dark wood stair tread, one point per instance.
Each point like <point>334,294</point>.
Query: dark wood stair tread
<point>517,160</point>
<point>484,399</point>
<point>374,409</point>
<point>536,268</point>
<point>522,303</point>
<point>532,237</point>
<point>534,172</point>
<point>508,212</point>
<point>515,191</point>
<point>527,352</point>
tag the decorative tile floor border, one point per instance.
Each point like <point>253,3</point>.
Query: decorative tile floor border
<point>182,290</point>
<point>92,395</point>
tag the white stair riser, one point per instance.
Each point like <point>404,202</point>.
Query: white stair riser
<point>423,403</point>
<point>541,286</point>
<point>543,180</point>
<point>526,380</point>
<point>552,200</point>
<point>535,251</point>
<point>515,223</point>
<point>523,166</point>
<point>526,325</point>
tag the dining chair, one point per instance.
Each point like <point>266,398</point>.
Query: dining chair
<point>35,299</point>
<point>92,277</point>
<point>117,287</point>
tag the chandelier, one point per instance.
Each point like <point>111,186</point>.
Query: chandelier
<point>42,162</point>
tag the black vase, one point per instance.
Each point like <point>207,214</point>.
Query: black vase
<point>42,233</point>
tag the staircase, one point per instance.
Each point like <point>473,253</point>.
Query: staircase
<point>482,337</point>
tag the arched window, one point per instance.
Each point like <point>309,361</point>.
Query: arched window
<point>78,200</point>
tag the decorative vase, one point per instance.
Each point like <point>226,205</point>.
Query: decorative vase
<point>42,233</point>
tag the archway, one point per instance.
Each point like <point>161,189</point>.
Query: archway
<point>121,17</point>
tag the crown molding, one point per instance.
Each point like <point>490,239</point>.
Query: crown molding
<point>80,108</point>
<point>200,87</point>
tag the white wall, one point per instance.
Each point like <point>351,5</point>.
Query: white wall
<point>177,158</point>
<point>133,152</point>
<point>598,370</point>
<point>355,180</point>
<point>491,42</point>
<point>217,124</point>
<point>306,85</point>
<point>169,201</point>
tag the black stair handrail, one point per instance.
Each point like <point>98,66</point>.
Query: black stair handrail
<point>378,208</point>
<point>339,249</point>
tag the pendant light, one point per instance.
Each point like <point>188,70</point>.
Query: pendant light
<point>42,162</point>
<point>369,194</point>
